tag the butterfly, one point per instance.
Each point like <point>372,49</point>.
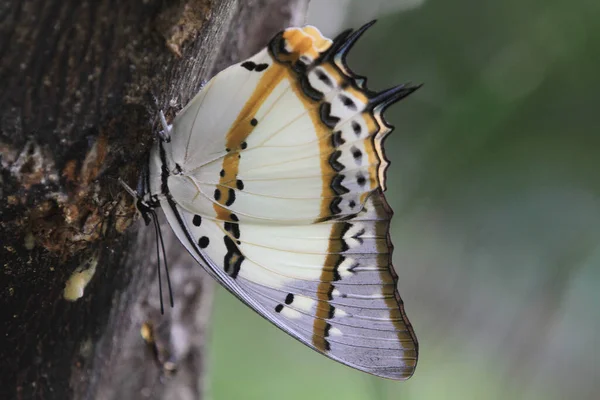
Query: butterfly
<point>272,177</point>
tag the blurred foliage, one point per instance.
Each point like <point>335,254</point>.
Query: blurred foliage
<point>494,183</point>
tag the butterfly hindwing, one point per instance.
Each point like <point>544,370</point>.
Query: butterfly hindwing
<point>328,284</point>
<point>273,180</point>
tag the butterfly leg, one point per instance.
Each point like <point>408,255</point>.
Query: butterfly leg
<point>165,134</point>
<point>128,189</point>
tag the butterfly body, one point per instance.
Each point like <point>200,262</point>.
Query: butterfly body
<point>272,177</point>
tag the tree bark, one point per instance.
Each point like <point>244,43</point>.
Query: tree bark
<point>77,80</point>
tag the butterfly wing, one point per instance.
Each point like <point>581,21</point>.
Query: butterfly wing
<point>279,193</point>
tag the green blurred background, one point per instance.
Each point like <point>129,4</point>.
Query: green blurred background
<point>494,183</point>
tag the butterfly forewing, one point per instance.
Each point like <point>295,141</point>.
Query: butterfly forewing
<point>273,180</point>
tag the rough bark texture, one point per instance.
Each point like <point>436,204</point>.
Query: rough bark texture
<point>76,113</point>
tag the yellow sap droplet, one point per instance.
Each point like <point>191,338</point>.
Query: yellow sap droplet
<point>78,280</point>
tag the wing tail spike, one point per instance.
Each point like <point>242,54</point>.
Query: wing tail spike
<point>350,39</point>
<point>338,43</point>
<point>392,95</point>
<point>343,43</point>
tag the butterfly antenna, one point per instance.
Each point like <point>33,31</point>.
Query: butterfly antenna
<point>162,244</point>
<point>156,231</point>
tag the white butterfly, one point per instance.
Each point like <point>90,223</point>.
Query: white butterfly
<point>273,177</point>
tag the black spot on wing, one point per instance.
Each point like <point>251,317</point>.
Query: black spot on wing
<point>336,185</point>
<point>331,312</point>
<point>217,194</point>
<point>309,90</point>
<point>230,198</point>
<point>289,299</point>
<point>252,66</point>
<point>232,228</point>
<point>337,139</point>
<point>197,220</point>
<point>249,65</point>
<point>345,228</point>
<point>278,308</point>
<point>239,184</point>
<point>333,161</point>
<point>358,236</point>
<point>356,128</point>
<point>203,242</point>
<point>357,154</point>
<point>277,47</point>
<point>360,179</point>
<point>336,272</point>
<point>253,122</point>
<point>325,113</point>
<point>322,76</point>
<point>299,67</point>
<point>334,207</point>
<point>330,292</point>
<point>352,269</point>
<point>233,258</point>
<point>348,102</point>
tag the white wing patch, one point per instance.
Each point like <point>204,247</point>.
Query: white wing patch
<point>273,181</point>
<point>215,109</point>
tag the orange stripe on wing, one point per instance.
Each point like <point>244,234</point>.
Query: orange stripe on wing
<point>325,289</point>
<point>239,132</point>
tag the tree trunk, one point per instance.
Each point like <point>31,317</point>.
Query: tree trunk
<point>77,80</point>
